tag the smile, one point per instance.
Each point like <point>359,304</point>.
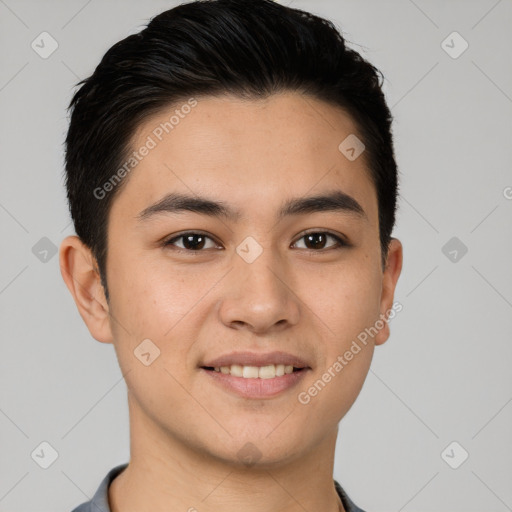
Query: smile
<point>269,371</point>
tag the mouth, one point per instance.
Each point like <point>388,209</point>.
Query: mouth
<point>270,371</point>
<point>256,376</point>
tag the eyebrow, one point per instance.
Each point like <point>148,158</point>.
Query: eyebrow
<point>336,201</point>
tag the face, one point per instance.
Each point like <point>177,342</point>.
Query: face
<point>265,282</point>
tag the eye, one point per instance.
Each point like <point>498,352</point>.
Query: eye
<point>315,240</point>
<point>192,241</point>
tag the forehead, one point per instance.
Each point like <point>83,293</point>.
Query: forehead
<point>250,153</point>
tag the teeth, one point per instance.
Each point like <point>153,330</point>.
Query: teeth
<point>254,372</point>
<point>267,372</point>
<point>250,372</point>
<point>234,369</point>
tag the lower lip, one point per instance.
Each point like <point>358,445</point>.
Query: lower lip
<point>256,388</point>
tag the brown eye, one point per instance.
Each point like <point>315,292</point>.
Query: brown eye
<point>317,240</point>
<point>191,241</point>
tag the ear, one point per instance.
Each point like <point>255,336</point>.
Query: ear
<point>389,281</point>
<point>79,271</point>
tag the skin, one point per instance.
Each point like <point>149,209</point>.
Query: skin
<point>186,432</point>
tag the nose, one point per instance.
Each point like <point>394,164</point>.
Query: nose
<point>258,296</point>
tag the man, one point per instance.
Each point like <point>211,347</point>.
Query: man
<point>232,182</point>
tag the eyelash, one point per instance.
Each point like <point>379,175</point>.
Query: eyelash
<point>341,243</point>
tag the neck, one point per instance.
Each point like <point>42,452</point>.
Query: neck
<point>166,474</point>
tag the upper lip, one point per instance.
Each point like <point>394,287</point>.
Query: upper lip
<point>256,359</point>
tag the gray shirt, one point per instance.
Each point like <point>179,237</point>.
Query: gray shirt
<point>99,502</point>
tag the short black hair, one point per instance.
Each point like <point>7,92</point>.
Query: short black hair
<point>251,49</point>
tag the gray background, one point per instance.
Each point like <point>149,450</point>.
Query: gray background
<point>443,376</point>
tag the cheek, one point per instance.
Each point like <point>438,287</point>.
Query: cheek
<point>151,296</point>
<point>345,299</point>
<point>160,302</point>
<point>150,304</point>
<point>351,308</point>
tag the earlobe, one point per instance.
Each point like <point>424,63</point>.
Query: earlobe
<point>389,282</point>
<point>79,271</point>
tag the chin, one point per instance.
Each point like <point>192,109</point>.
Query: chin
<point>258,452</point>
